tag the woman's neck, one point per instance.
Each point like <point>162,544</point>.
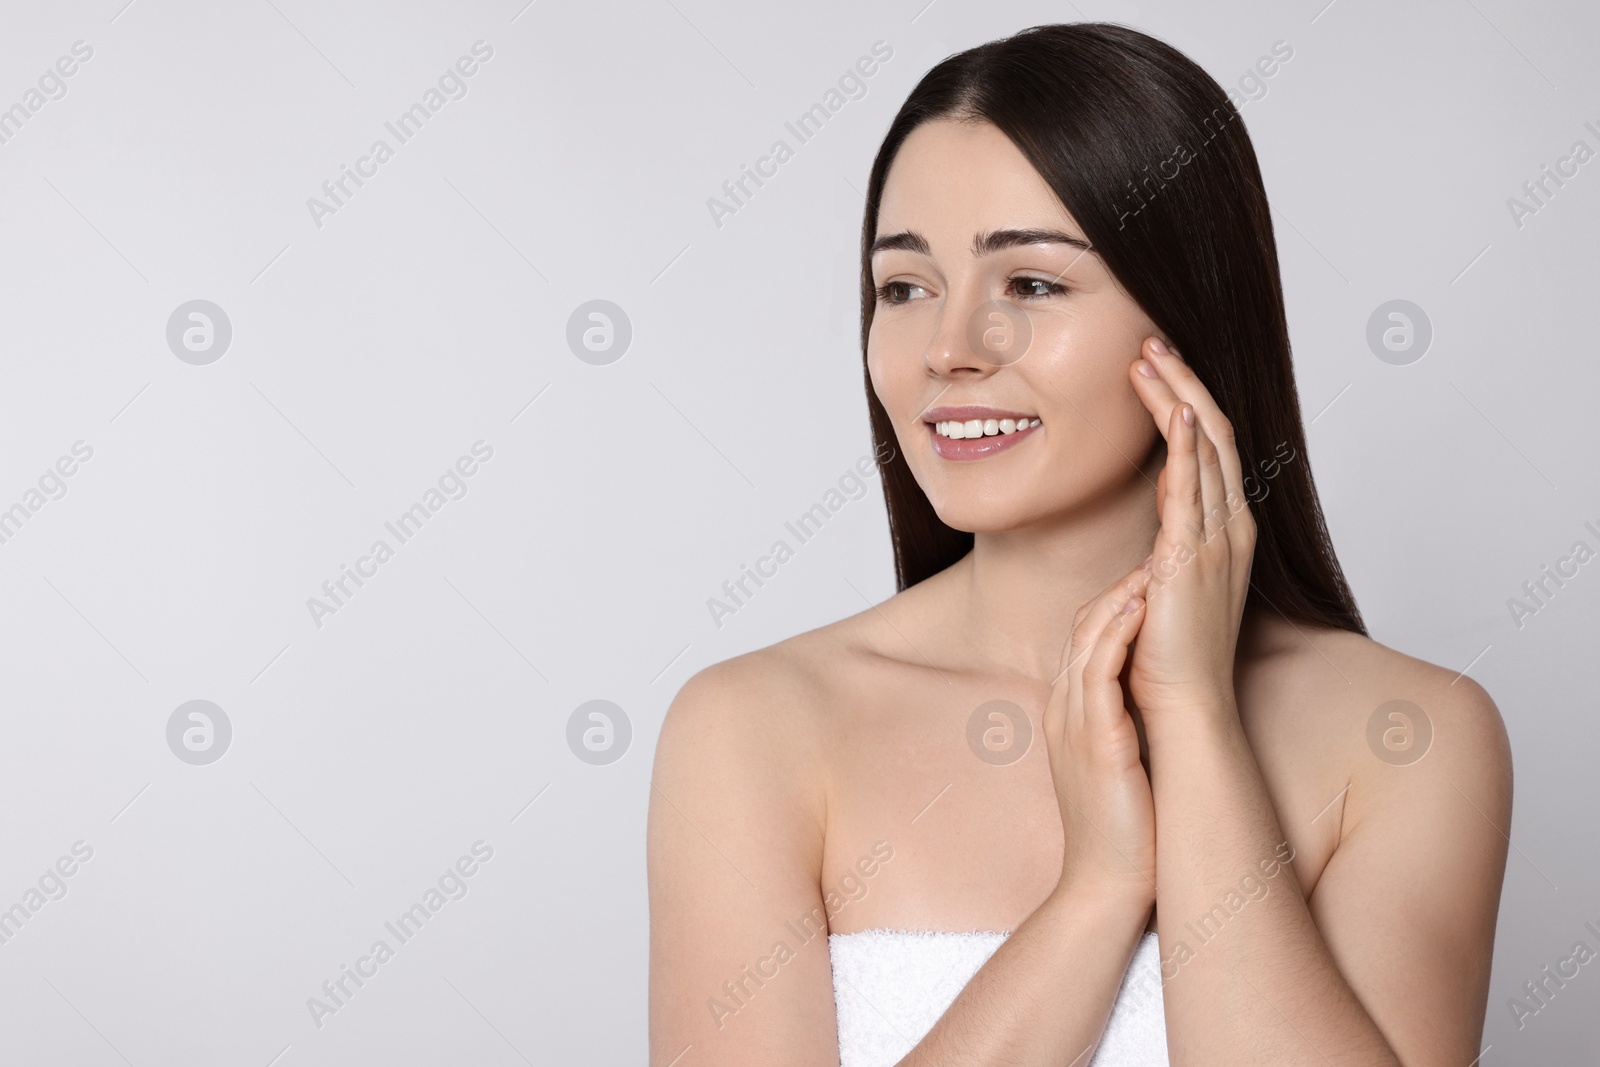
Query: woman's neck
<point>1016,592</point>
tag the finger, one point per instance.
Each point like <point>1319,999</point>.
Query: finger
<point>1213,507</point>
<point>1102,686</point>
<point>1156,395</point>
<point>1180,511</point>
<point>1186,387</point>
<point>1092,618</point>
<point>1104,608</point>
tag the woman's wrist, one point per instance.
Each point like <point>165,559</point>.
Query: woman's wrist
<point>1213,720</point>
<point>1104,900</point>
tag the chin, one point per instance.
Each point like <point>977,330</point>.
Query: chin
<point>970,514</point>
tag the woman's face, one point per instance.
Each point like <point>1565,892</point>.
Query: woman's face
<point>1021,328</point>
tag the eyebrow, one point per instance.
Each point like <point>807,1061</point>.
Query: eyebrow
<point>983,244</point>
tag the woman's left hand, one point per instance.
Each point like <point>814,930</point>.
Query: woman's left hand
<point>1184,655</point>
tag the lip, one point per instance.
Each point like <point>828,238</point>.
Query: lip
<point>972,411</point>
<point>974,448</point>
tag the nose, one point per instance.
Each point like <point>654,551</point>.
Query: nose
<point>975,337</point>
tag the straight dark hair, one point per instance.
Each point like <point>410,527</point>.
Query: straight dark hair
<point>1148,153</point>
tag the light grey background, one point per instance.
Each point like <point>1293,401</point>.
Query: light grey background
<point>368,354</point>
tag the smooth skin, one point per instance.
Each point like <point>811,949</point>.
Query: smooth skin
<point>1183,745</point>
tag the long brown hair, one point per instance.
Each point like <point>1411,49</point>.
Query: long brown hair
<point>1149,155</point>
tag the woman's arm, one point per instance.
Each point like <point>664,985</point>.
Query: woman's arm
<point>1389,964</point>
<point>1045,995</point>
<point>1408,903</point>
<point>739,968</point>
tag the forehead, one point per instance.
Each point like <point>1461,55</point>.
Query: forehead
<point>954,179</point>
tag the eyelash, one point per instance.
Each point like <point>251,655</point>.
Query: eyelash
<point>1051,289</point>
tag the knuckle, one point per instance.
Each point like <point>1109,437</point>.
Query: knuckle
<point>1078,640</point>
<point>1075,643</point>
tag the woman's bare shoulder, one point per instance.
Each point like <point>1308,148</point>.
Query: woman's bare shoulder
<point>794,672</point>
<point>1375,710</point>
<point>1355,674</point>
<point>744,749</point>
<point>784,696</point>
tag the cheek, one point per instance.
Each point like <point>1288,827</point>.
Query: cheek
<point>878,364</point>
<point>882,376</point>
<point>1103,432</point>
<point>1086,387</point>
<point>892,385</point>
<point>895,370</point>
<point>1107,441</point>
<point>891,341</point>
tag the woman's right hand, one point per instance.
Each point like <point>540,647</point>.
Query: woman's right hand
<point>1107,809</point>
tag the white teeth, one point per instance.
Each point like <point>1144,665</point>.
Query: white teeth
<point>959,431</point>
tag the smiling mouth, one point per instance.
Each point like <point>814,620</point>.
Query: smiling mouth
<point>958,430</point>
<point>972,432</point>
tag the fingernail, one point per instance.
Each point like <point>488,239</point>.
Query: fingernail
<point>1157,347</point>
<point>1188,415</point>
<point>1134,604</point>
<point>1148,369</point>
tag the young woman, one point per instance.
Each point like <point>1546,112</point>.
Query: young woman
<point>1117,777</point>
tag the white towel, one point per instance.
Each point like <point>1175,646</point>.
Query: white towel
<point>891,986</point>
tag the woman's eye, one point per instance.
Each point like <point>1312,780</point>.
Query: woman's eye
<point>1036,288</point>
<point>895,292</point>
<point>1023,288</point>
